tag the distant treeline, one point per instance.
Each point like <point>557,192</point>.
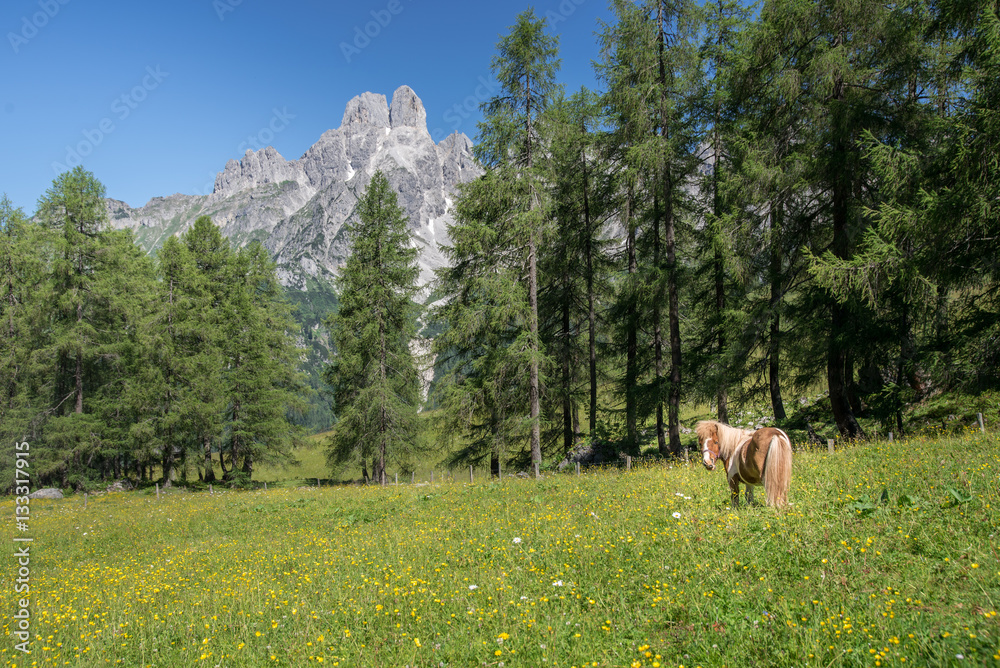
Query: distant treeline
<point>114,363</point>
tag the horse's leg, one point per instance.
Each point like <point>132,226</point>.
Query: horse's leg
<point>749,495</point>
<point>734,492</point>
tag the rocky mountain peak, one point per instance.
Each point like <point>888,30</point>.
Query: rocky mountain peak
<point>367,109</point>
<point>255,169</point>
<point>407,110</point>
<point>298,208</point>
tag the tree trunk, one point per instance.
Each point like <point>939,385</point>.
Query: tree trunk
<point>533,382</point>
<point>718,266</point>
<point>675,329</point>
<point>661,438</point>
<point>167,463</point>
<point>674,398</point>
<point>837,379</point>
<point>774,347</point>
<point>378,462</point>
<point>836,367</point>
<point>78,376</point>
<point>722,395</point>
<point>631,338</point>
<point>209,466</point>
<point>591,307</point>
<point>569,435</point>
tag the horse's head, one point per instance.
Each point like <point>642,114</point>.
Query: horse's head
<point>708,441</point>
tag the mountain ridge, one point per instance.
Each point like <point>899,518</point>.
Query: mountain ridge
<point>297,208</point>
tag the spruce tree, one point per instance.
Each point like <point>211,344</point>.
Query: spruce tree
<point>376,387</point>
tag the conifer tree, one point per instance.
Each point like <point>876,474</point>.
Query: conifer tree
<point>23,282</point>
<point>261,380</point>
<point>376,387</point>
<point>937,171</point>
<point>484,345</point>
<point>650,66</point>
<point>725,22</point>
<point>178,388</point>
<point>73,208</point>
<point>203,276</point>
<point>510,145</point>
<point>575,267</point>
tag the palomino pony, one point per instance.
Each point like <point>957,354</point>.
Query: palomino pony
<point>761,457</point>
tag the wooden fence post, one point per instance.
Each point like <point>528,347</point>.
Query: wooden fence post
<point>578,468</point>
<point>829,445</point>
<point>470,473</point>
<point>210,490</point>
<point>982,425</point>
<point>890,437</point>
<point>157,491</point>
<point>628,463</point>
<point>84,500</point>
<point>397,478</point>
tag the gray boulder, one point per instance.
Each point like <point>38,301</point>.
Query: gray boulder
<point>47,493</point>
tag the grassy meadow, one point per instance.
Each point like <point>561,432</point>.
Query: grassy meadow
<point>887,557</point>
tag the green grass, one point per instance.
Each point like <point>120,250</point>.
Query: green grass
<point>887,557</point>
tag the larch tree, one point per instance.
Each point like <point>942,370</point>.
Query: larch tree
<point>511,147</point>
<point>650,65</point>
<point>576,265</point>
<point>23,282</point>
<point>373,373</point>
<point>261,380</point>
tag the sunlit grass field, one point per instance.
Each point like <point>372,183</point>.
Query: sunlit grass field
<point>887,557</point>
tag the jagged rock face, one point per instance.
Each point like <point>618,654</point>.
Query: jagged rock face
<point>298,208</point>
<point>367,109</point>
<point>255,169</point>
<point>407,110</point>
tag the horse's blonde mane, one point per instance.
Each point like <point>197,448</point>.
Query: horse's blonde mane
<point>728,437</point>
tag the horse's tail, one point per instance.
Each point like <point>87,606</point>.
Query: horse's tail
<point>778,470</point>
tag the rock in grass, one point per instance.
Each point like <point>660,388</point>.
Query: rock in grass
<point>47,493</point>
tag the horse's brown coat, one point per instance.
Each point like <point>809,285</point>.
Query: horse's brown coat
<point>761,457</point>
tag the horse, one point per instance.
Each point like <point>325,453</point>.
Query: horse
<point>760,457</point>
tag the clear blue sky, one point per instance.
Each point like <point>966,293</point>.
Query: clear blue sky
<point>159,95</point>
